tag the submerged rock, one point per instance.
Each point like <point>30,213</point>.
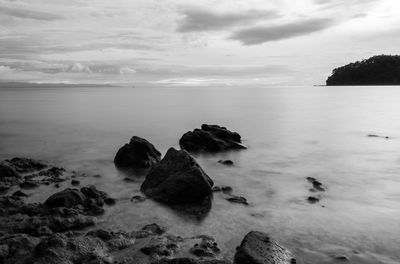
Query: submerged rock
<point>139,153</point>
<point>177,179</point>
<point>259,248</point>
<point>210,138</point>
<point>317,185</point>
<point>226,162</point>
<point>237,199</point>
<point>313,199</point>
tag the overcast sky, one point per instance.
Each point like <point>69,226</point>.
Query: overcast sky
<point>199,42</point>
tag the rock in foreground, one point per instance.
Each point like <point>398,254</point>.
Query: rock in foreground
<point>177,179</point>
<point>259,248</point>
<point>139,153</point>
<point>210,138</point>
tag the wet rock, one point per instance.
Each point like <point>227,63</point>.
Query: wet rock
<point>341,258</point>
<point>109,201</point>
<point>313,199</point>
<point>75,182</point>
<point>177,179</point>
<point>237,199</point>
<point>67,198</point>
<point>25,165</point>
<point>138,199</point>
<point>7,171</point>
<point>224,189</point>
<point>161,246</point>
<point>191,261</point>
<point>210,138</point>
<point>377,136</point>
<point>317,186</point>
<point>149,230</point>
<point>226,162</point>
<point>139,153</point>
<point>259,248</point>
<point>19,194</point>
<point>28,184</point>
<point>208,247</point>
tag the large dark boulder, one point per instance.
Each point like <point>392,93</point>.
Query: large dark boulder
<point>259,248</point>
<point>177,179</point>
<point>139,153</point>
<point>210,138</point>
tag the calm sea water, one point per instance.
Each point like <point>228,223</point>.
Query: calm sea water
<point>292,133</point>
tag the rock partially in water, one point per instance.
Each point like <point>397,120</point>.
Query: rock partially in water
<point>208,247</point>
<point>313,199</point>
<point>75,182</point>
<point>19,194</point>
<point>177,179</point>
<point>28,173</point>
<point>317,185</point>
<point>224,189</point>
<point>211,138</point>
<point>138,199</point>
<point>138,153</point>
<point>191,261</point>
<point>237,199</point>
<point>226,162</point>
<point>67,198</point>
<point>260,248</point>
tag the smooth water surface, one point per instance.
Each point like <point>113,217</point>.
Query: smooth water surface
<point>292,133</point>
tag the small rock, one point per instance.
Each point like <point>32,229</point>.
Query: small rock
<point>313,199</point>
<point>20,194</point>
<point>109,201</point>
<point>226,162</point>
<point>237,199</point>
<point>342,258</point>
<point>75,182</point>
<point>138,199</point>
<point>208,247</point>
<point>28,184</point>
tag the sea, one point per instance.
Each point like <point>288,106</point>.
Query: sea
<point>292,132</point>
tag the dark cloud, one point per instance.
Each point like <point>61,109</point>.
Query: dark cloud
<point>261,34</point>
<point>28,14</point>
<point>206,20</point>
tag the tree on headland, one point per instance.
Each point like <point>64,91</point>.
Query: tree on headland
<point>377,70</point>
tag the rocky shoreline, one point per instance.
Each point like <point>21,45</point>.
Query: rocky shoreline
<point>62,228</point>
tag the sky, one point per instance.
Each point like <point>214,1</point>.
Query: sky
<point>191,42</point>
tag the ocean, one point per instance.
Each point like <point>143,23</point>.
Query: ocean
<point>291,133</point>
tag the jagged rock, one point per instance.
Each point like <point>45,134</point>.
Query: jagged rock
<point>149,230</point>
<point>177,179</point>
<point>139,153</point>
<point>7,171</point>
<point>210,138</point>
<point>259,248</point>
<point>208,247</point>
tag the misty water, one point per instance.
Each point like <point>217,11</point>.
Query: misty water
<point>291,133</point>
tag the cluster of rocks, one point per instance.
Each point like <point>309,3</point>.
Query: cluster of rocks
<point>316,188</point>
<point>29,173</point>
<point>177,179</point>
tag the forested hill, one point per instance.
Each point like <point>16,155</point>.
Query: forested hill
<point>377,70</point>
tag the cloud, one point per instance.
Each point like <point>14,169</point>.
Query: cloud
<point>79,67</point>
<point>206,20</point>
<point>28,14</point>
<point>126,70</point>
<point>262,34</point>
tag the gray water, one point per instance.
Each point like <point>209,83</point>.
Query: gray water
<point>292,133</point>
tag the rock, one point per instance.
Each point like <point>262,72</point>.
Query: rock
<point>7,171</point>
<point>191,261</point>
<point>226,162</point>
<point>158,246</point>
<point>67,198</point>
<point>177,179</point>
<point>210,138</point>
<point>317,186</point>
<point>259,248</point>
<point>24,165</point>
<point>208,247</point>
<point>342,258</point>
<point>237,199</point>
<point>224,189</point>
<point>19,194</point>
<point>138,199</point>
<point>313,199</point>
<point>75,182</point>
<point>28,184</point>
<point>109,201</point>
<point>149,230</point>
<point>139,153</point>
